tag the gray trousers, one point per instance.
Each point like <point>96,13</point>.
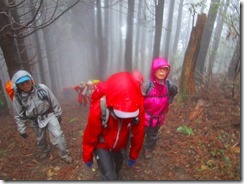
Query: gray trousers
<point>151,137</point>
<point>56,137</point>
<point>109,163</point>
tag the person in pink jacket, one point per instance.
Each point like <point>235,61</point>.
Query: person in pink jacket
<point>158,93</point>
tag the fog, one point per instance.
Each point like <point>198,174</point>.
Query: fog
<point>72,43</point>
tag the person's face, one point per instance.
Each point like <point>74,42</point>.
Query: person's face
<point>25,86</point>
<point>161,73</point>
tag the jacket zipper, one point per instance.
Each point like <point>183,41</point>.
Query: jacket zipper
<point>117,136</point>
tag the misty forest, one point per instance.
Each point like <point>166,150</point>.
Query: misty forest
<point>63,43</point>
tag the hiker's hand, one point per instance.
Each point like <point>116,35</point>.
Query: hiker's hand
<point>89,164</point>
<point>25,135</point>
<point>131,162</point>
<point>59,119</point>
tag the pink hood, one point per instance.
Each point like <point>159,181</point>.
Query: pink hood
<point>157,63</point>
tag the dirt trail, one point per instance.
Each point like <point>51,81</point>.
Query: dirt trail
<point>212,153</point>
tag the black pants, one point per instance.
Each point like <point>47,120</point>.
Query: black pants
<point>109,163</point>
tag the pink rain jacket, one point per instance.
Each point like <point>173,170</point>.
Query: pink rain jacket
<point>156,101</point>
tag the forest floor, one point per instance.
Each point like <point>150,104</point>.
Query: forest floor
<point>197,142</point>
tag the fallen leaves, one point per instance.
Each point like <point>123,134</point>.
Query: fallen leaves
<point>213,153</point>
<point>51,172</point>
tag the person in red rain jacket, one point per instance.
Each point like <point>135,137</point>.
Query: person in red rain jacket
<point>125,117</point>
<point>82,100</point>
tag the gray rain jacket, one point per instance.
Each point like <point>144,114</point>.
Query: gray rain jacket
<point>33,108</point>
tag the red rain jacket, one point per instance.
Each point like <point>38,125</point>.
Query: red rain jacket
<point>122,93</point>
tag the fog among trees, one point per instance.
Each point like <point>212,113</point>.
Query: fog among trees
<point>64,42</point>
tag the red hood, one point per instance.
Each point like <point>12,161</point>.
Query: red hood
<point>123,92</point>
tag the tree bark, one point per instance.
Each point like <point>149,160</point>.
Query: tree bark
<point>129,35</point>
<point>234,67</point>
<point>22,51</point>
<point>207,33</point>
<point>7,43</point>
<point>178,26</point>
<point>51,61</point>
<point>167,38</point>
<point>216,39</point>
<point>138,34</point>
<point>158,29</point>
<point>177,35</point>
<point>186,81</point>
<point>100,42</point>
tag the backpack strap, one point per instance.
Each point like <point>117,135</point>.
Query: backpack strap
<point>149,86</point>
<point>18,98</point>
<point>42,95</point>
<point>104,111</point>
<point>172,90</point>
<point>167,86</point>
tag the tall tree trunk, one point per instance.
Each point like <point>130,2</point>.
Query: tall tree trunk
<point>100,43</point>
<point>23,55</point>
<point>3,101</point>
<point>207,32</point>
<point>167,39</point>
<point>178,26</point>
<point>143,41</point>
<point>234,67</point>
<point>93,49</point>
<point>186,35</point>
<point>8,43</point>
<point>177,35</point>
<point>111,48</point>
<point>129,35</point>
<point>186,81</point>
<point>38,46</point>
<point>158,27</point>
<point>216,38</point>
<point>51,61</point>
<point>120,55</point>
<point>138,34</point>
<point>106,34</point>
<point>39,56</point>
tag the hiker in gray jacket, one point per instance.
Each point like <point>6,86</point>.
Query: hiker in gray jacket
<point>37,104</point>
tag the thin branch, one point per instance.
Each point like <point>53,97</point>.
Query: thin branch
<point>15,5</point>
<point>46,24</point>
<point>29,22</point>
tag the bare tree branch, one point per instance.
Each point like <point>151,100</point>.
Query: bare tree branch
<point>29,22</point>
<point>18,30</point>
